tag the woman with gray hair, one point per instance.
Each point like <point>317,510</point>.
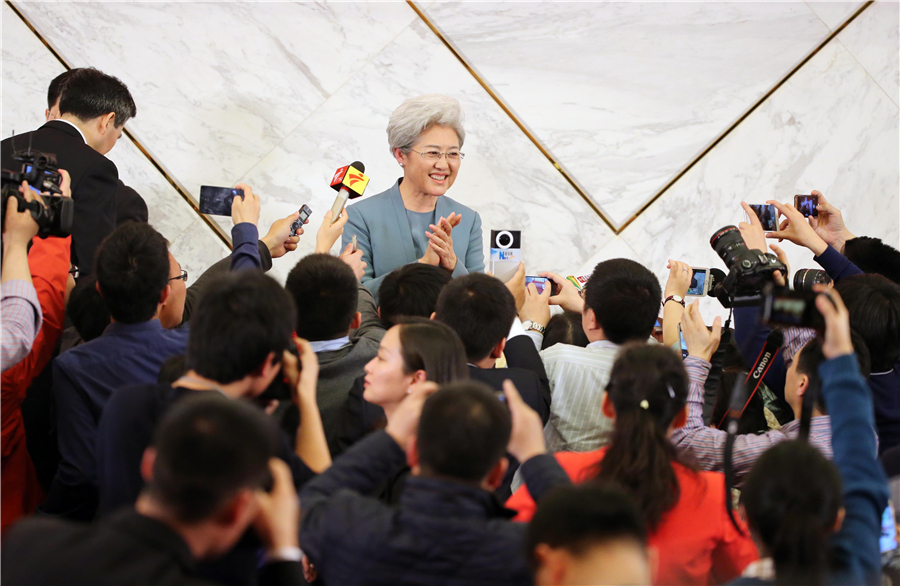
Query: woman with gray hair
<point>414,221</point>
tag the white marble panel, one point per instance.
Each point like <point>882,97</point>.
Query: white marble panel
<point>504,176</point>
<point>28,68</point>
<point>874,39</point>
<point>834,14</point>
<point>218,85</point>
<point>626,94</point>
<point>830,127</point>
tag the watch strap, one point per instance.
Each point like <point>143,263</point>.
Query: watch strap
<point>675,298</point>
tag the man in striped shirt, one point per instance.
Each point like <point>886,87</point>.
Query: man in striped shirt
<point>621,303</point>
<point>802,352</point>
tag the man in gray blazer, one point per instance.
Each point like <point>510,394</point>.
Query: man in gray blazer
<point>338,316</point>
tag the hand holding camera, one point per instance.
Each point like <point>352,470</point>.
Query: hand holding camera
<point>536,307</point>
<point>569,298</point>
<point>837,323</point>
<point>829,225</point>
<point>679,280</point>
<point>246,208</point>
<point>796,229</point>
<point>302,372</point>
<point>701,342</point>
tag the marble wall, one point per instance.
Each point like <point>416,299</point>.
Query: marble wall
<point>624,96</point>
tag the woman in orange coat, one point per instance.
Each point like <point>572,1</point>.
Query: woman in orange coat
<point>684,509</point>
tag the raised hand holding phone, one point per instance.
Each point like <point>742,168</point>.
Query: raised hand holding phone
<point>837,322</point>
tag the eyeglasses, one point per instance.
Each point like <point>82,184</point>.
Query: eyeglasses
<point>73,270</point>
<point>436,155</point>
<point>182,276</point>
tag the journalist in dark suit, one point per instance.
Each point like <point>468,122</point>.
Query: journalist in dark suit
<point>93,110</point>
<point>414,221</point>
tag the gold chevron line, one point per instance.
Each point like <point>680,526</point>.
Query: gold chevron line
<point>175,185</point>
<point>572,180</point>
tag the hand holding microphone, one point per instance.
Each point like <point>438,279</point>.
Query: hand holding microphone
<point>350,182</point>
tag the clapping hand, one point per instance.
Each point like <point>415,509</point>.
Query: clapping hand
<point>432,256</point>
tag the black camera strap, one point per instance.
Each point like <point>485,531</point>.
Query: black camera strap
<point>748,387</point>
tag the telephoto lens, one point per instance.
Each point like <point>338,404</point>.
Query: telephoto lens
<point>804,279</point>
<point>728,244</point>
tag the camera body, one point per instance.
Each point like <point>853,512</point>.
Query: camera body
<point>748,270</point>
<point>40,171</point>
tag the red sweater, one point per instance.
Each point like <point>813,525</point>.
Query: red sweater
<point>696,542</point>
<point>20,491</point>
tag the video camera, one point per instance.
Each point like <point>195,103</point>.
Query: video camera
<point>748,270</point>
<point>40,171</point>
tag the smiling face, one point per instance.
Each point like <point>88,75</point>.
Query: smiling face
<point>386,383</point>
<point>427,176</point>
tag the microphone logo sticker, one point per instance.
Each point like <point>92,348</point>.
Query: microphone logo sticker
<point>354,178</point>
<point>339,175</point>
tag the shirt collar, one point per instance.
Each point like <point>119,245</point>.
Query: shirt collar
<point>73,125</point>
<point>330,345</point>
<point>144,326</point>
<point>603,344</point>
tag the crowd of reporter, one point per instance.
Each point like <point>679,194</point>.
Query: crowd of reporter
<point>237,431</point>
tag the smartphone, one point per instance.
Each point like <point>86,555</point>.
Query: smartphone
<point>783,307</point>
<point>540,283</point>
<point>305,213</point>
<point>354,243</point>
<point>699,282</point>
<point>806,205</point>
<point>888,540</point>
<point>216,201</point>
<point>684,350</point>
<point>768,216</point>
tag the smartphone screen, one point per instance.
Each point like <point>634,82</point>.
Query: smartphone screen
<point>698,283</point>
<point>540,283</point>
<point>782,307</point>
<point>768,216</point>
<point>806,205</point>
<point>216,201</point>
<point>888,539</point>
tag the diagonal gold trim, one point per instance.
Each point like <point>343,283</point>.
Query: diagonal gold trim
<point>572,181</point>
<point>744,116</point>
<point>181,191</point>
<point>496,97</point>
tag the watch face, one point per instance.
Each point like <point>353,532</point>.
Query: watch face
<point>526,324</point>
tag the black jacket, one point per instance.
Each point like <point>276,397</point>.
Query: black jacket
<point>525,369</point>
<point>441,533</point>
<point>95,181</point>
<point>128,548</point>
<point>130,206</point>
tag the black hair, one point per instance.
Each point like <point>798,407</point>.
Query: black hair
<point>433,347</point>
<point>625,297</point>
<point>411,290</point>
<point>480,309</point>
<point>565,328</point>
<point>87,309</point>
<point>577,517</point>
<point>55,89</point>
<point>794,520</point>
<point>648,388</point>
<point>132,268</point>
<point>325,294</point>
<point>811,356</point>
<point>874,305</point>
<point>208,448</point>
<point>244,317</point>
<point>872,255</point>
<point>88,93</point>
<point>463,432</point>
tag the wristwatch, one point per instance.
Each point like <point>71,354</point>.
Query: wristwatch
<point>530,325</point>
<point>675,298</point>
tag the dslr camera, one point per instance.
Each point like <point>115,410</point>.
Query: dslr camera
<point>40,171</point>
<point>748,270</point>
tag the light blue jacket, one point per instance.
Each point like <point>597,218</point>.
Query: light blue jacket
<point>382,230</point>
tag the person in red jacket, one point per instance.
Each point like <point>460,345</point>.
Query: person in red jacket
<point>684,509</point>
<point>20,491</point>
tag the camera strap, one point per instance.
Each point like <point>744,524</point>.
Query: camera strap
<point>749,386</point>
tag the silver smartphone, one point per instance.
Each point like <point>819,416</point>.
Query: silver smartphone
<point>699,282</point>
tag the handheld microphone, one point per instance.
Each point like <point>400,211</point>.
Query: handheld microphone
<point>350,183</point>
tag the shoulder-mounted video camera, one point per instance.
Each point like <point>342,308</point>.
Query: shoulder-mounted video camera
<point>41,172</point>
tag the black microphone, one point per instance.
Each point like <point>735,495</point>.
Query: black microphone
<point>350,182</point>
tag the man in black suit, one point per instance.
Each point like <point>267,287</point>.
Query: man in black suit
<point>482,311</point>
<point>211,461</point>
<point>130,206</point>
<point>93,110</point>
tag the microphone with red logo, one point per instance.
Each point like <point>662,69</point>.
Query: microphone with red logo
<point>350,183</point>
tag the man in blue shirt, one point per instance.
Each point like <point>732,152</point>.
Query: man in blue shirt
<point>144,289</point>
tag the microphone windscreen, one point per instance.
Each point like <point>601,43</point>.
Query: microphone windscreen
<point>358,166</point>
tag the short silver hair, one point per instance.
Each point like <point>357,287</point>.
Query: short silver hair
<point>416,115</point>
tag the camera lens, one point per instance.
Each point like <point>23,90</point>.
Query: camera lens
<point>804,279</point>
<point>728,244</point>
<point>504,240</point>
